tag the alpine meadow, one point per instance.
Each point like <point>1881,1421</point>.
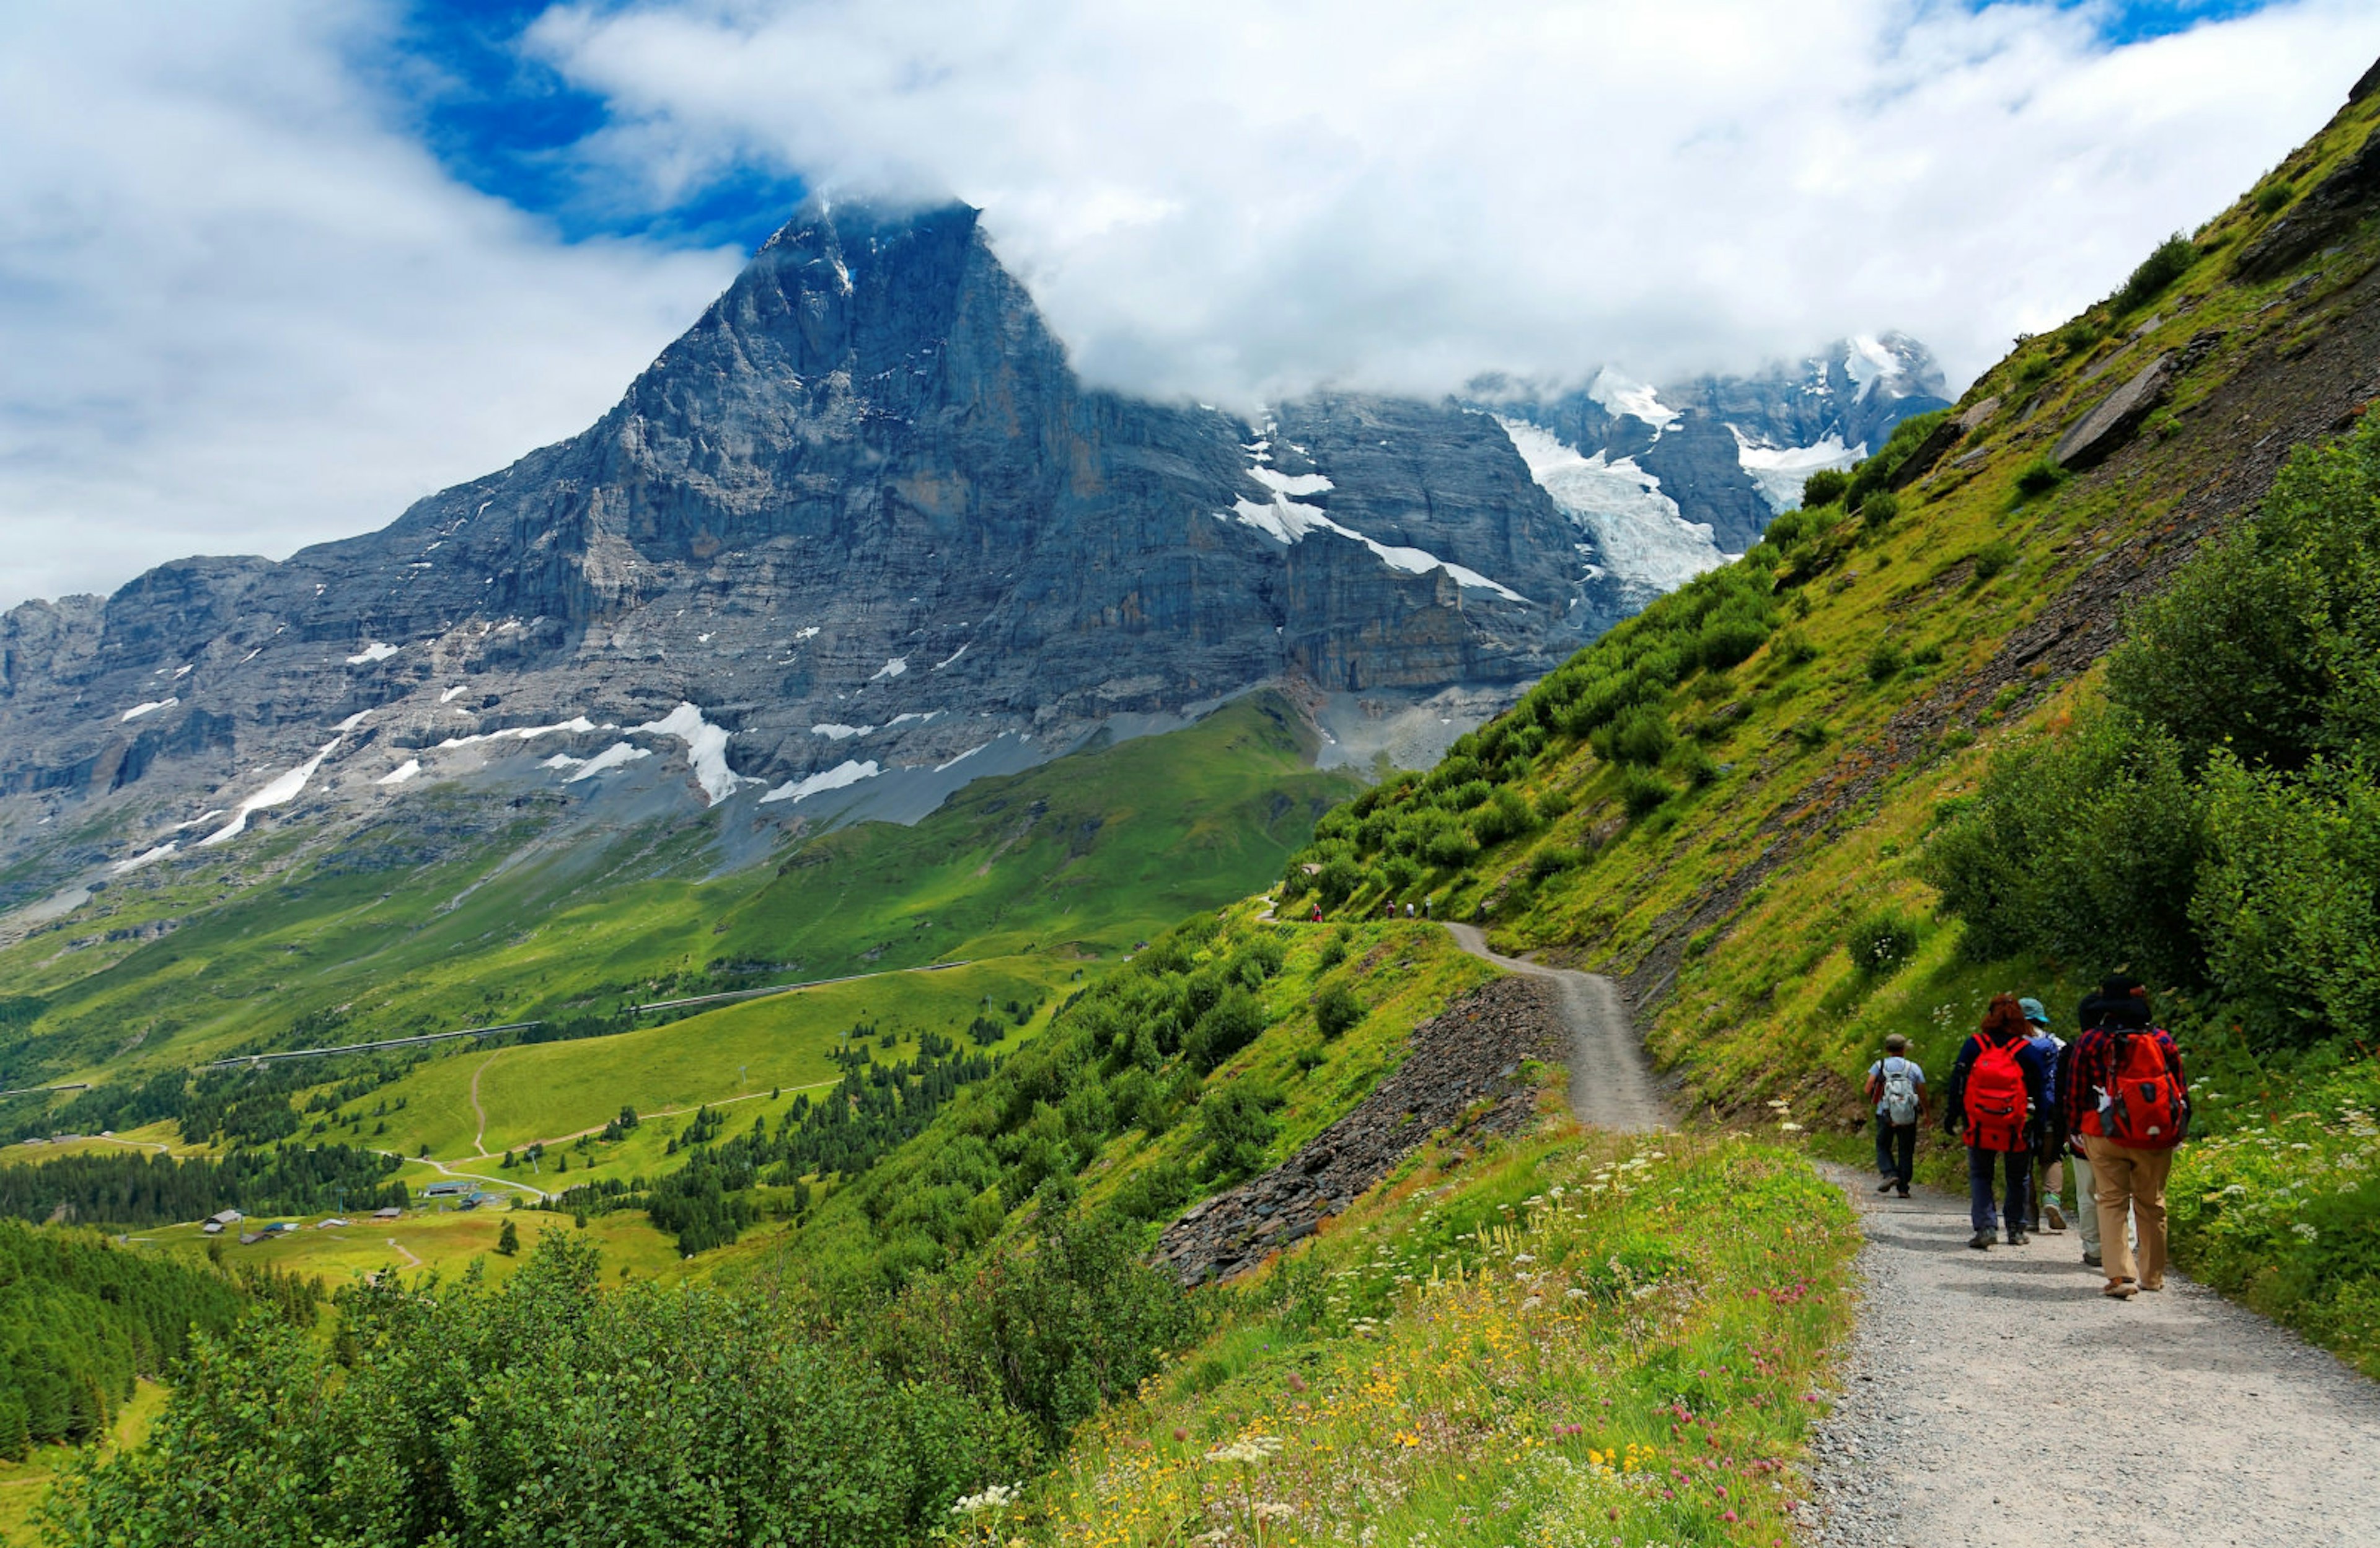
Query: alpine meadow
<point>893,945</point>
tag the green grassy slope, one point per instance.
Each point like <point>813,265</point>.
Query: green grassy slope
<point>355,937</point>
<point>1729,801</point>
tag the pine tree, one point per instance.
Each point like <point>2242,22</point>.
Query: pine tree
<point>508,1239</point>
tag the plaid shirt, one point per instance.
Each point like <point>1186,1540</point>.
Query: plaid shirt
<point>2094,1057</point>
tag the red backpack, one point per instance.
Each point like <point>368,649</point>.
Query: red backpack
<point>2147,1108</point>
<point>1996,1097</point>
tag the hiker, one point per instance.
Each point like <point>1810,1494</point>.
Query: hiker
<point>1318,914</point>
<point>1896,1084</point>
<point>1425,907</point>
<point>1997,1087</point>
<point>2049,1148</point>
<point>1409,910</point>
<point>2129,1102</point>
<point>2069,1144</point>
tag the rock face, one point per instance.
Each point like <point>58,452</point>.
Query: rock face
<point>860,522</point>
<point>1468,1053</point>
<point>2117,417</point>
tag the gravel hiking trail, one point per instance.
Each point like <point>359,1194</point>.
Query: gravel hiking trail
<point>1998,1400</point>
<point>1611,1081</point>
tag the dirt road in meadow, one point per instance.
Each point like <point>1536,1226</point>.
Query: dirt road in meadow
<point>1997,1400</point>
<point>1611,1080</point>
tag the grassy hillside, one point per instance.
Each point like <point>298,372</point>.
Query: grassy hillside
<point>1863,778</point>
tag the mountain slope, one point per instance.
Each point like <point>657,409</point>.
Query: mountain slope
<point>1740,800</point>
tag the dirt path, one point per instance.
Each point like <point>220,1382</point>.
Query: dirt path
<point>1610,1082</point>
<point>1997,1400</point>
<point>480,1139</point>
<point>409,1258</point>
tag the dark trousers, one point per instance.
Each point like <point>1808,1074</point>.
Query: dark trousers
<point>2016,1189</point>
<point>1896,1150</point>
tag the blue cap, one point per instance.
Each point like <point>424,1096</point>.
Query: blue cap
<point>2034,1012</point>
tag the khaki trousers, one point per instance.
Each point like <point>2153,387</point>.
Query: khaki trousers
<point>2124,1178</point>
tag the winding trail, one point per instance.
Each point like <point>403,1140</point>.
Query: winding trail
<point>1611,1081</point>
<point>480,1139</point>
<point>1997,1400</point>
<point>410,1260</point>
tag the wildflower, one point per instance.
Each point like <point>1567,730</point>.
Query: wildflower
<point>1250,1450</point>
<point>999,1496</point>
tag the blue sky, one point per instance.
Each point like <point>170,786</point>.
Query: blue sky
<point>271,270</point>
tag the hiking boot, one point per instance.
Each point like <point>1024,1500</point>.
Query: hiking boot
<point>2159,1286</point>
<point>1888,1185</point>
<point>1904,1190</point>
<point>2090,1257</point>
<point>2120,1289</point>
<point>2018,1239</point>
<point>1981,1241</point>
<point>2055,1216</point>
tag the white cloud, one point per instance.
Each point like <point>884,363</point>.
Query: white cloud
<point>240,309</point>
<point>1237,202</point>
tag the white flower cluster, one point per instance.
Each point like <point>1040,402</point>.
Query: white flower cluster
<point>999,1496</point>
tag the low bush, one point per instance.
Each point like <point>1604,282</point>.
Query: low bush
<point>1825,487</point>
<point>2038,476</point>
<point>1336,1010</point>
<point>1881,944</point>
<point>2169,260</point>
<point>1994,558</point>
<point>1641,792</point>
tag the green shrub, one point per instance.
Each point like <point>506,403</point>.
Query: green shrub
<point>1810,735</point>
<point>1693,765</point>
<point>1886,661</point>
<point>1879,510</point>
<point>1994,558</point>
<point>1336,1010</point>
<point>1334,950</point>
<point>2170,261</point>
<point>1235,1128</point>
<point>1506,816</point>
<point>1641,737</point>
<point>2038,476</point>
<point>1881,944</point>
<point>1641,792</point>
<point>1729,637</point>
<point>2272,196</point>
<point>1796,648</point>
<point>1823,488</point>
<point>1551,860</point>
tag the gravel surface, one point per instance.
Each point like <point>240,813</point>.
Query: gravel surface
<point>1997,1400</point>
<point>1611,1081</point>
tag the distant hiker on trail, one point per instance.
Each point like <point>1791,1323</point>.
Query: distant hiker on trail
<point>1318,914</point>
<point>2086,1207</point>
<point>1425,907</point>
<point>1897,1085</point>
<point>1996,1089</point>
<point>1409,910</point>
<point>2129,1102</point>
<point>2048,1140</point>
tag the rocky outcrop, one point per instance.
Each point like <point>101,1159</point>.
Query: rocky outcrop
<point>1463,1069</point>
<point>2337,206</point>
<point>2117,417</point>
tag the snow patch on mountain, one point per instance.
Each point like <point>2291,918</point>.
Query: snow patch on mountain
<point>1620,394</point>
<point>849,772</point>
<point>705,749</point>
<point>375,651</point>
<point>1780,470</point>
<point>280,793</point>
<point>618,754</point>
<point>1642,540</point>
<point>1286,520</point>
<point>139,709</point>
<point>408,769</point>
<point>1870,361</point>
<point>146,857</point>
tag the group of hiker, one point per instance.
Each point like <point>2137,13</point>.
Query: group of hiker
<point>2112,1103</point>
